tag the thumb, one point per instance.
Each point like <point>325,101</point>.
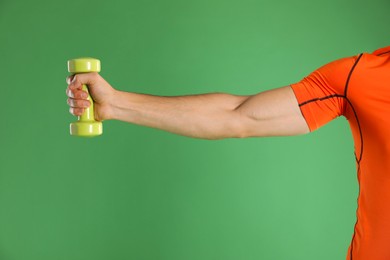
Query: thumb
<point>78,80</point>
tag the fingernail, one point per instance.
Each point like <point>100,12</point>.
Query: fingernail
<point>73,79</point>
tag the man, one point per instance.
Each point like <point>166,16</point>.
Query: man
<point>356,87</point>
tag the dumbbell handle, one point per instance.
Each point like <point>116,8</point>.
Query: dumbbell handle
<point>88,114</point>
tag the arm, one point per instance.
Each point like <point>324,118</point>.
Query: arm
<point>207,116</point>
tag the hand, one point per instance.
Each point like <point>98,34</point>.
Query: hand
<point>101,92</point>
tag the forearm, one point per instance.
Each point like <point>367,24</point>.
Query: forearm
<point>206,116</point>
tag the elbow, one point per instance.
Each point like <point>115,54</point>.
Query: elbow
<point>242,133</point>
<point>239,129</point>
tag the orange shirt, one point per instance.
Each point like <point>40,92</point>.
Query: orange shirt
<point>358,88</point>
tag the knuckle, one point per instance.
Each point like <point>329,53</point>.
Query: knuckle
<point>80,111</point>
<point>77,103</point>
<point>81,95</point>
<point>80,103</point>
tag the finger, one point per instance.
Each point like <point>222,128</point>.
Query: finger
<point>76,111</point>
<point>78,103</point>
<point>79,94</point>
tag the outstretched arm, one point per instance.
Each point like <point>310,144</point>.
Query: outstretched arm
<point>207,116</point>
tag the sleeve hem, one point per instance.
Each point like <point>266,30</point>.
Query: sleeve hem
<point>305,110</point>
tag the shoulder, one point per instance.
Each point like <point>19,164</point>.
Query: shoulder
<point>382,51</point>
<point>339,67</point>
<point>335,74</point>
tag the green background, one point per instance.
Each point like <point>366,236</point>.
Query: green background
<point>140,193</point>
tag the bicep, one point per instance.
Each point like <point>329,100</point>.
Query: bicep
<point>277,112</point>
<point>272,113</point>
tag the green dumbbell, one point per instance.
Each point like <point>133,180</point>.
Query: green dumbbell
<point>86,125</point>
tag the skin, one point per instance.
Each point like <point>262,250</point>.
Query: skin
<point>206,116</point>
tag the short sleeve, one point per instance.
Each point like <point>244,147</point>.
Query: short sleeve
<point>321,95</point>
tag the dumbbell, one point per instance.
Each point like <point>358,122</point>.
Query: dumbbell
<point>86,125</point>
